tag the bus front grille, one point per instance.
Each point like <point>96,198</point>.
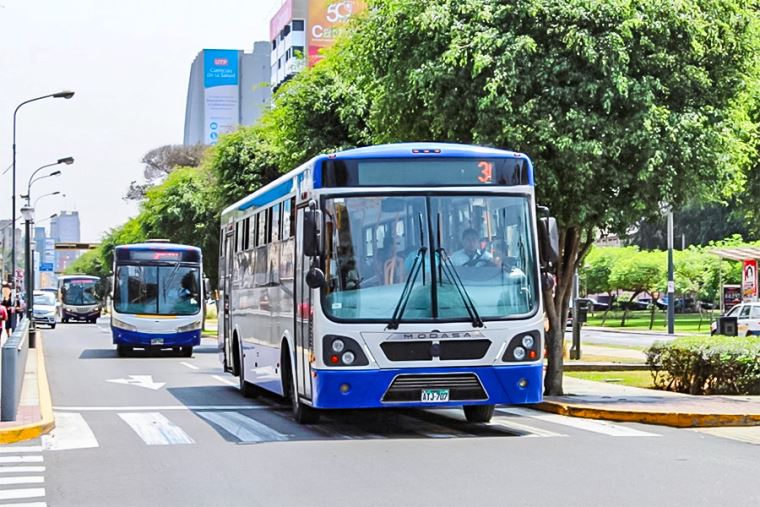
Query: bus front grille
<point>461,387</point>
<point>448,350</point>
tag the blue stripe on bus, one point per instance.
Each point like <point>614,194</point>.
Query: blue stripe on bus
<point>367,387</point>
<point>140,339</point>
<point>269,196</point>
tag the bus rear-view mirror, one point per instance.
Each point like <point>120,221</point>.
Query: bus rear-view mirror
<point>311,233</point>
<point>549,240</point>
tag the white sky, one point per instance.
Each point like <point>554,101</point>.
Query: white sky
<point>129,63</point>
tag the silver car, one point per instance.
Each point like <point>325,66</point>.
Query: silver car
<point>44,311</point>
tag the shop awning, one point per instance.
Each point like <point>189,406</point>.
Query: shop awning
<point>737,253</point>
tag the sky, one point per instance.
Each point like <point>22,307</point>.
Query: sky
<point>129,64</point>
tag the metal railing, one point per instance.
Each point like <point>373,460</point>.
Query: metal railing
<point>14,354</point>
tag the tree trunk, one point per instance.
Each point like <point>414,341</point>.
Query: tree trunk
<point>557,302</point>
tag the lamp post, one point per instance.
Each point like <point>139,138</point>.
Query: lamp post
<point>45,195</point>
<point>28,213</point>
<point>66,94</point>
<point>671,281</point>
<point>32,179</point>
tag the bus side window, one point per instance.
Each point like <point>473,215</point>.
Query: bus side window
<point>237,237</point>
<point>276,223</point>
<point>262,228</point>
<point>247,233</point>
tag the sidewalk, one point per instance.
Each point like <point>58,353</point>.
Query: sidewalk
<point>648,332</point>
<point>598,400</point>
<point>35,412</point>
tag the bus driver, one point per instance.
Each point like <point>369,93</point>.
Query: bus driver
<point>470,254</point>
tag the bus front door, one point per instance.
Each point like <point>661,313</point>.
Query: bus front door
<point>226,283</point>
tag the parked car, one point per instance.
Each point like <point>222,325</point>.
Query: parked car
<point>747,319</point>
<point>44,311</point>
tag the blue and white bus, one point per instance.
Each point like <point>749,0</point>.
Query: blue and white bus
<point>157,297</point>
<point>404,275</point>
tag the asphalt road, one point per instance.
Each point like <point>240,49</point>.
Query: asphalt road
<point>148,431</point>
<point>620,339</point>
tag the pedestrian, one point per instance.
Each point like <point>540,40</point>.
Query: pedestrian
<point>3,318</point>
<point>8,307</point>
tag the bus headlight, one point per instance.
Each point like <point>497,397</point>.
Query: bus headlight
<point>519,353</point>
<point>338,346</point>
<point>348,357</point>
<point>193,326</point>
<point>523,347</point>
<point>342,351</point>
<point>528,341</point>
<point>122,325</point>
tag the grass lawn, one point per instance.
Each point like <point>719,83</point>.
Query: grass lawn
<point>627,378</point>
<point>685,322</point>
<point>597,358</point>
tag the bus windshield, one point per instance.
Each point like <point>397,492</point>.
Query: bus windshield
<point>79,292</point>
<point>481,247</point>
<point>157,290</point>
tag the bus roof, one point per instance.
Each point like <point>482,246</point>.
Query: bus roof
<point>69,277</point>
<point>284,185</point>
<point>159,246</point>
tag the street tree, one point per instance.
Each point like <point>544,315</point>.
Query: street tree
<point>596,270</point>
<point>622,105</point>
<point>638,272</point>
<point>161,161</point>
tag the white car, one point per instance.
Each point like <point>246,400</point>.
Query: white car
<point>747,319</point>
<point>45,310</point>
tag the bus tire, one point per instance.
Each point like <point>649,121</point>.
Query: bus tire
<point>123,350</point>
<point>478,413</point>
<point>186,351</point>
<point>302,414</point>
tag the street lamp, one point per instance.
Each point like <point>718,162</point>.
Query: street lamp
<point>65,160</point>
<point>45,195</point>
<point>28,213</point>
<point>671,281</point>
<point>65,94</point>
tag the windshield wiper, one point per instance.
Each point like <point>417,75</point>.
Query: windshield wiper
<point>448,267</point>
<point>398,312</point>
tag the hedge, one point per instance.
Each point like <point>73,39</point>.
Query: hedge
<point>707,365</point>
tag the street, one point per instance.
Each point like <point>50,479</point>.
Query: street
<point>175,431</point>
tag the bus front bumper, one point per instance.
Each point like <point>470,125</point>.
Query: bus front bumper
<point>513,385</point>
<point>155,340</point>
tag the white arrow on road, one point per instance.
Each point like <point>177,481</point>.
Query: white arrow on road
<point>139,380</point>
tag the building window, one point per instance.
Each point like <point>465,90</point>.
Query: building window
<point>274,44</point>
<point>298,25</point>
<point>297,51</point>
<point>279,63</point>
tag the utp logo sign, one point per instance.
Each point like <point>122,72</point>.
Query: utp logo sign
<point>221,61</point>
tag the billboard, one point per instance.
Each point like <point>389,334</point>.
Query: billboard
<point>279,20</point>
<point>221,78</point>
<point>749,280</point>
<point>326,23</point>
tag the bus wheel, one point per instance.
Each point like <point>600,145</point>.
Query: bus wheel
<point>301,413</point>
<point>478,413</point>
<point>187,351</point>
<point>123,350</point>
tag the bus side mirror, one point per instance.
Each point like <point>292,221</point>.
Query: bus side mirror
<point>548,236</point>
<point>206,287</point>
<point>311,232</point>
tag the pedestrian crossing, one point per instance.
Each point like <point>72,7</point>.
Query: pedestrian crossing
<point>258,424</point>
<point>22,476</point>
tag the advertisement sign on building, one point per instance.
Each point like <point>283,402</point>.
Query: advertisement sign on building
<point>749,280</point>
<point>220,83</point>
<point>327,19</point>
<point>49,253</point>
<point>283,17</point>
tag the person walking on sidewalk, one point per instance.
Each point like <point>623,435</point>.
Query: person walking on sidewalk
<point>8,308</point>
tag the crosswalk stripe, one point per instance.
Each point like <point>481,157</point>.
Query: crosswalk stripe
<point>153,408</point>
<point>189,365</point>
<point>432,430</point>
<point>243,428</point>
<point>523,429</point>
<point>20,449</point>
<point>20,459</point>
<point>596,426</point>
<point>748,434</point>
<point>19,470</point>
<point>15,494</point>
<point>25,504</point>
<point>37,479</point>
<point>71,432</point>
<point>155,429</point>
<point>225,381</point>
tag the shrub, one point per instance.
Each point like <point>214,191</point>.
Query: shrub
<point>707,365</point>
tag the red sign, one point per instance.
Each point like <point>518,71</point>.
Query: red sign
<point>749,279</point>
<point>221,61</point>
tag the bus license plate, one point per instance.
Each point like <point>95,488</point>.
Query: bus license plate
<point>435,395</point>
<point>156,341</point>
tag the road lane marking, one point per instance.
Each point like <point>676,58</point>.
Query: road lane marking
<point>71,432</point>
<point>430,429</point>
<point>225,381</point>
<point>161,408</point>
<point>21,448</point>
<point>145,381</point>
<point>26,504</point>
<point>595,426</point>
<point>748,434</point>
<point>22,480</point>
<point>243,428</point>
<point>20,459</point>
<point>155,429</point>
<point>15,494</point>
<point>191,366</point>
<point>523,430</point>
<point>18,470</point>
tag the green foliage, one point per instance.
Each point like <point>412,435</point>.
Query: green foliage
<point>638,272</point>
<point>707,365</point>
<point>597,267</point>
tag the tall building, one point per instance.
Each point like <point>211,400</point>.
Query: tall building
<point>227,88</point>
<point>65,228</point>
<point>301,29</point>
<point>6,235</point>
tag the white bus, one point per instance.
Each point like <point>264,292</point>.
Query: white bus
<point>400,275</point>
<point>78,298</point>
<point>157,297</point>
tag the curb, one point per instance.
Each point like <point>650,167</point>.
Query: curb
<point>47,421</point>
<point>643,332</point>
<point>676,420</point>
